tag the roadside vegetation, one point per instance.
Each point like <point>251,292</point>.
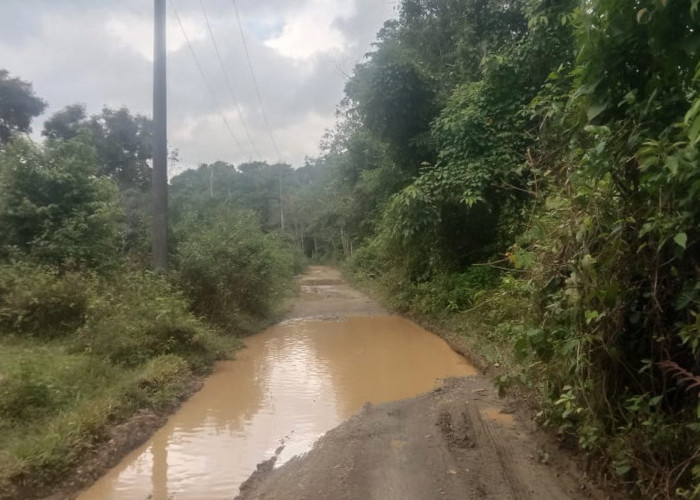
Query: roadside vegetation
<point>88,335</point>
<point>522,173</point>
<point>525,174</point>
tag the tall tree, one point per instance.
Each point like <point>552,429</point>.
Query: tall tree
<point>66,123</point>
<point>18,105</point>
<point>123,141</point>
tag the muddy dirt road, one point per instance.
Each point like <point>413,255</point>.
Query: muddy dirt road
<point>458,441</point>
<point>336,351</point>
<point>394,412</point>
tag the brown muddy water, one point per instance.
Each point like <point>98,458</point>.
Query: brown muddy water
<point>289,386</point>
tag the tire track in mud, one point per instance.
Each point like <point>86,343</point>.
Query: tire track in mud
<point>439,445</point>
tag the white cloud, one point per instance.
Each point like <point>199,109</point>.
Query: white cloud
<point>136,32</point>
<point>303,137</point>
<point>100,53</point>
<point>310,30</point>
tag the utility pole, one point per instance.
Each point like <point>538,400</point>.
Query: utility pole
<point>279,181</point>
<point>211,181</point>
<point>160,145</point>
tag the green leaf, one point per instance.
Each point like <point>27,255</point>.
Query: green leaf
<point>595,110</point>
<point>591,315</point>
<point>622,469</point>
<point>672,164</point>
<point>681,240</point>
<point>641,14</point>
<point>694,130</point>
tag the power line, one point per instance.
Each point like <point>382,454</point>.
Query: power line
<point>204,78</point>
<point>228,80</point>
<point>255,81</point>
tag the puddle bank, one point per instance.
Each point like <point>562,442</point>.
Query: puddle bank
<point>289,386</point>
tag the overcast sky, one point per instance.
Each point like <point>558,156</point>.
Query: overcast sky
<point>99,52</point>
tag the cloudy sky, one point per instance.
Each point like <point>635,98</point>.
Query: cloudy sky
<point>99,52</point>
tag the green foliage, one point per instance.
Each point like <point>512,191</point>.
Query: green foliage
<point>395,101</point>
<point>450,37</point>
<point>611,246</point>
<point>122,141</point>
<point>233,273</point>
<point>466,206</point>
<point>66,123</point>
<point>41,302</point>
<point>141,316</point>
<point>54,406</point>
<point>18,105</point>
<point>40,381</point>
<point>568,153</point>
<point>53,207</point>
<point>126,342</point>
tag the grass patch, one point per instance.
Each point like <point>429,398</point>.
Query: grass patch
<point>125,343</point>
<point>55,405</point>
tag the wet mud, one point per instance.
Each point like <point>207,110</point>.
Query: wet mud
<point>455,442</point>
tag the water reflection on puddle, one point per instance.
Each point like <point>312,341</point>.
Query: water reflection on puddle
<point>290,385</point>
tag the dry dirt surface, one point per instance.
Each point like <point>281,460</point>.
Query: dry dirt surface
<point>459,441</point>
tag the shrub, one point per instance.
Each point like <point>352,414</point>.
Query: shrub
<point>53,206</point>
<point>39,301</point>
<point>161,381</point>
<point>24,396</point>
<point>38,381</point>
<point>232,271</point>
<point>142,316</point>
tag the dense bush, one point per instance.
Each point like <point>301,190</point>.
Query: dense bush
<point>141,316</point>
<point>613,246</point>
<point>568,160</point>
<point>53,207</point>
<point>40,301</point>
<point>233,273</point>
<point>40,382</point>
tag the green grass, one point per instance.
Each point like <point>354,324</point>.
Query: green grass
<point>55,405</point>
<point>80,353</point>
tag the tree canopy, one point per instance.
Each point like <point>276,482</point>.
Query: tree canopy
<point>18,106</point>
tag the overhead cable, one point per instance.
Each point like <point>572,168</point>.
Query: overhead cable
<point>228,80</point>
<point>204,78</point>
<point>255,81</point>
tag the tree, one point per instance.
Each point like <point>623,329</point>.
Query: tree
<point>18,105</point>
<point>66,123</point>
<point>123,141</point>
<point>54,208</point>
<point>395,100</point>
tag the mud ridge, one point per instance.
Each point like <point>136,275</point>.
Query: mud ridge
<point>438,445</point>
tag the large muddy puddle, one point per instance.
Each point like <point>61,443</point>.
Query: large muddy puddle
<point>290,385</point>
